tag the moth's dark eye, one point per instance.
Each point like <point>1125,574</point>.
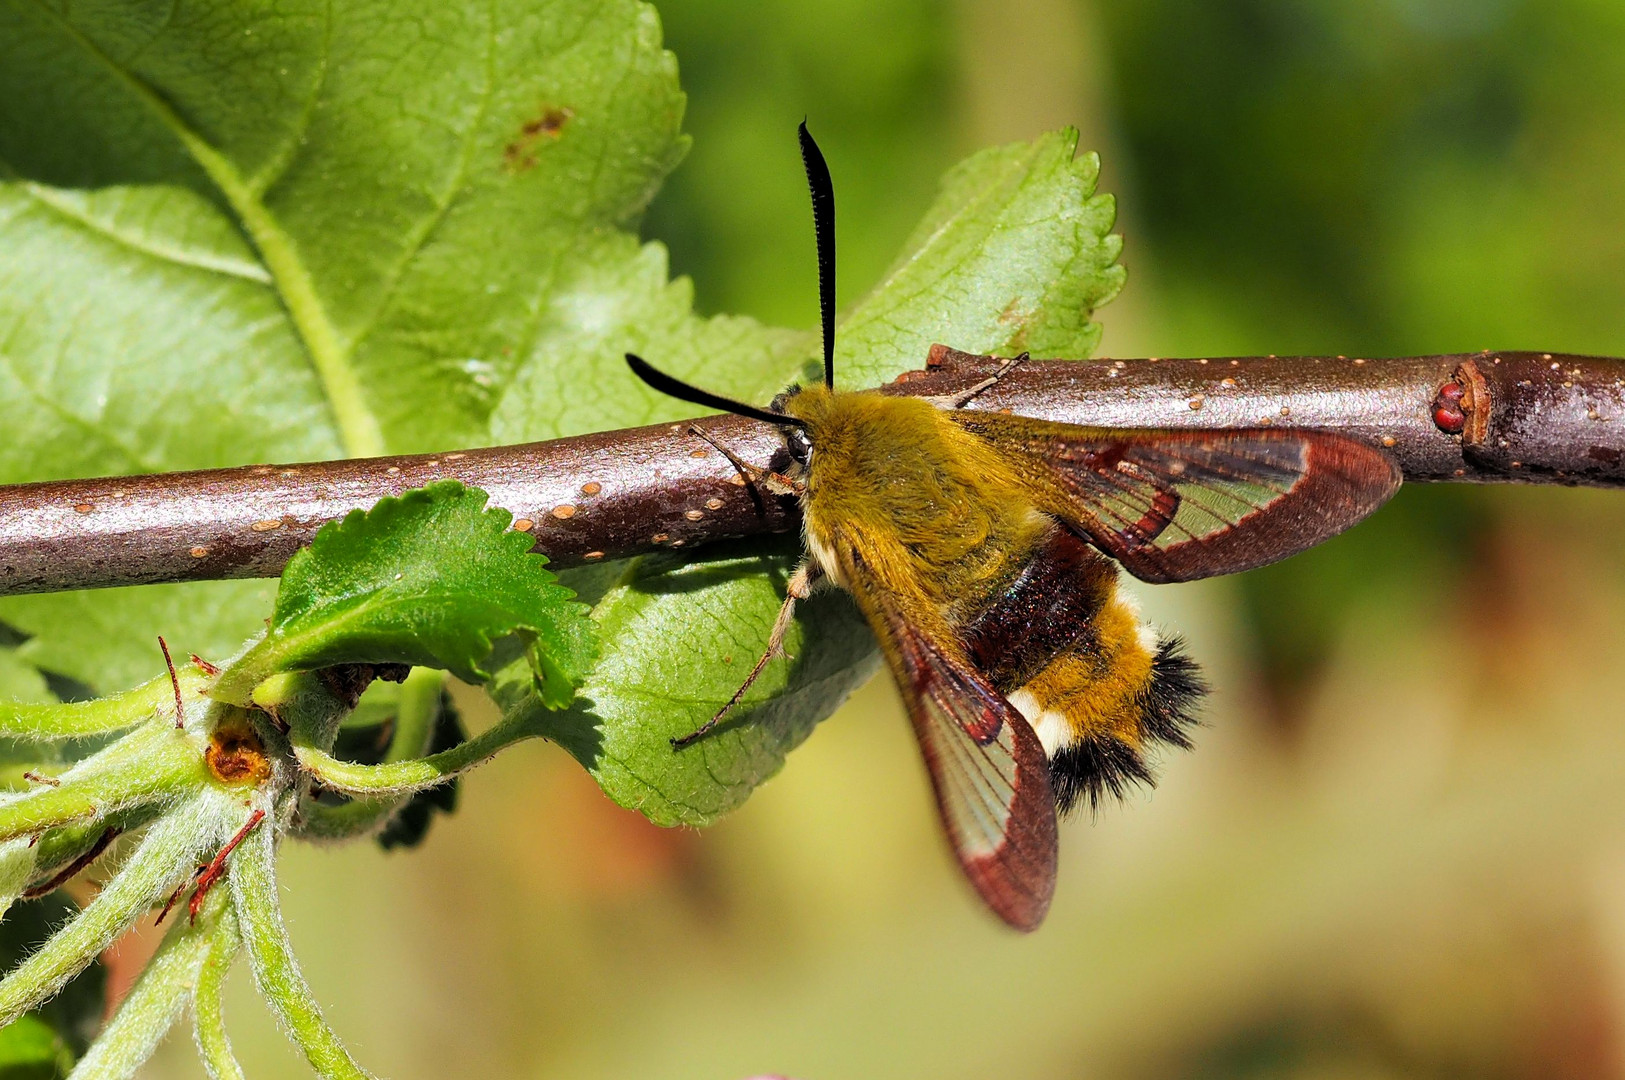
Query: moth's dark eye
<point>795,440</point>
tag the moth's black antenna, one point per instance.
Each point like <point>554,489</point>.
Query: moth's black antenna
<point>823,202</point>
<point>695,396</point>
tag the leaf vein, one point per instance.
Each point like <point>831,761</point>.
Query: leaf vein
<point>231,268</point>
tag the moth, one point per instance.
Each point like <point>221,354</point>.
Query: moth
<point>983,550</point>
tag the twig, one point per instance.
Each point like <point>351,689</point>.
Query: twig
<point>1492,417</point>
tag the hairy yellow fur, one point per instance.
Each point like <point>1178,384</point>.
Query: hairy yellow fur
<point>930,510</point>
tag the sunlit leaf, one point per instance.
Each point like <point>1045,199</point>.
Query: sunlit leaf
<point>431,578</point>
<point>236,233</point>
<point>679,638</point>
<point>1015,254</point>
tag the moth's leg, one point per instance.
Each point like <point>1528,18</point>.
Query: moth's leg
<point>777,483</point>
<point>799,587</point>
<point>965,396</point>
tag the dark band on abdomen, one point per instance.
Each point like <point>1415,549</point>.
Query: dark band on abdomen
<point>1042,612</point>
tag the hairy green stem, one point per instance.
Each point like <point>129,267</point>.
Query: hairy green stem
<point>59,847</point>
<point>417,712</point>
<point>147,765</point>
<point>209,1019</point>
<point>276,972</point>
<point>17,862</point>
<point>151,1008</point>
<point>405,777</point>
<point>40,723</point>
<point>164,859</point>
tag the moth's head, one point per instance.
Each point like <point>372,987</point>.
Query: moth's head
<point>809,407</point>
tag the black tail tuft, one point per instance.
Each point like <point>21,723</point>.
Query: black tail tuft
<point>1093,768</point>
<point>1168,702</point>
<point>1099,766</point>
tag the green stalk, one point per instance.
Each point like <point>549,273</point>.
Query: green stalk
<point>146,765</point>
<point>164,859</point>
<point>208,1010</point>
<point>276,971</point>
<point>151,1009</point>
<point>59,847</point>
<point>417,711</point>
<point>406,777</point>
<point>41,723</point>
<point>17,862</point>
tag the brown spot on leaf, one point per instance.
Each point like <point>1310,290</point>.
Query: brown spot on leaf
<point>520,155</point>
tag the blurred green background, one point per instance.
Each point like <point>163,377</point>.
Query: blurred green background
<point>1398,850</point>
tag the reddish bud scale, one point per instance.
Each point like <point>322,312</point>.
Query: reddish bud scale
<point>1448,415</point>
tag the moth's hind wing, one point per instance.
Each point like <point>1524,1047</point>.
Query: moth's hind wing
<point>1172,505</point>
<point>988,770</point>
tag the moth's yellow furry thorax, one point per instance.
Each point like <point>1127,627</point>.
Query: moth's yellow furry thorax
<point>930,510</point>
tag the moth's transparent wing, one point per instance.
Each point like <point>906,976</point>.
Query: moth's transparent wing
<point>988,770</point>
<point>1178,505</point>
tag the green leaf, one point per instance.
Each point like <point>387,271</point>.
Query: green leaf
<point>679,637</point>
<point>418,181</point>
<point>108,638</point>
<point>578,380</point>
<point>21,682</point>
<point>1015,254</point>
<point>431,578</point>
<point>31,1050</point>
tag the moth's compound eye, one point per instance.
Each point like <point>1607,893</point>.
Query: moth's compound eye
<point>795,440</point>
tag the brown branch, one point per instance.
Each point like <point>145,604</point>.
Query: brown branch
<point>1521,418</point>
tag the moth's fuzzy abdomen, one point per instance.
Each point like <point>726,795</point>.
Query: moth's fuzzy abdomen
<point>1110,761</point>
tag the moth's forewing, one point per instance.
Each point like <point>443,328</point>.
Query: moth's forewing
<point>1180,505</point>
<point>988,769</point>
